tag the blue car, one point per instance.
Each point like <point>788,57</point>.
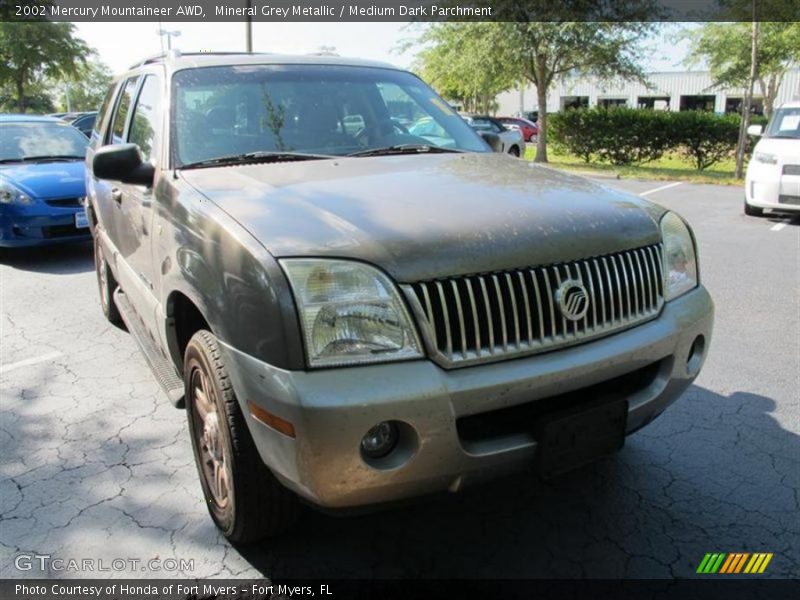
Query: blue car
<point>41,182</point>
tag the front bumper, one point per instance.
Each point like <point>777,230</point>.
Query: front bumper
<point>19,229</point>
<point>332,409</point>
<point>767,187</point>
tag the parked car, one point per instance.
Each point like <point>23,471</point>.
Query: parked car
<point>529,129</point>
<point>773,174</point>
<point>42,184</point>
<point>352,319</point>
<point>511,139</point>
<point>85,123</point>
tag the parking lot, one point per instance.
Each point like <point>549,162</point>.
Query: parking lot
<point>96,463</point>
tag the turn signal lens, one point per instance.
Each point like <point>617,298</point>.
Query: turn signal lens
<point>272,421</point>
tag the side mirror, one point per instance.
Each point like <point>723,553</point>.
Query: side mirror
<point>755,130</point>
<point>122,162</point>
<point>492,139</point>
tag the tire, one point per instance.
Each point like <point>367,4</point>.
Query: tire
<point>106,285</point>
<point>752,211</point>
<point>514,151</point>
<point>243,497</point>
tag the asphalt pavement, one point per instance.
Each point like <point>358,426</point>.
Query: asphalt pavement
<point>96,463</point>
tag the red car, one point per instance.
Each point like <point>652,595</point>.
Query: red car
<point>528,128</point>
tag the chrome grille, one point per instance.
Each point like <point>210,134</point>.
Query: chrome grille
<point>488,317</point>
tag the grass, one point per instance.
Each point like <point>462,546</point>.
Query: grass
<point>671,167</point>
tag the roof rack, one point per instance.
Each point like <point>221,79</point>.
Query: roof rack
<point>175,54</point>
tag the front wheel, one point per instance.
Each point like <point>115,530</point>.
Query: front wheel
<point>752,211</point>
<point>514,151</point>
<point>243,497</point>
<point>106,284</point>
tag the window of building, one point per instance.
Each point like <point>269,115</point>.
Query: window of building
<point>611,102</point>
<point>574,102</point>
<point>653,102</point>
<point>734,104</point>
<point>705,103</point>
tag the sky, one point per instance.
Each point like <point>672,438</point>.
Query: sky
<point>120,44</point>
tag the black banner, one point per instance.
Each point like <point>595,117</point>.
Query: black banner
<point>710,588</point>
<point>199,11</point>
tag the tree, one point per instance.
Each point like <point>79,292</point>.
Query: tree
<point>546,52</point>
<point>726,48</point>
<point>37,99</point>
<point>33,51</point>
<point>465,62</point>
<point>86,88</point>
<point>473,62</point>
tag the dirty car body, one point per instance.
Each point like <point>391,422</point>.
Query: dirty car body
<point>393,319</point>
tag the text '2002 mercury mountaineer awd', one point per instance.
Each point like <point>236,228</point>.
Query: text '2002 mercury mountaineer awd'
<point>355,314</point>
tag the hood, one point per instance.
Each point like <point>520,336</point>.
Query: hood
<point>787,150</point>
<point>48,179</point>
<point>425,216</point>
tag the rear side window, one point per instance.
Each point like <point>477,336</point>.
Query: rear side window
<point>121,114</point>
<point>101,115</point>
<point>146,118</point>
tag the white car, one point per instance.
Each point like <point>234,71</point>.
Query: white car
<point>773,175</point>
<point>511,140</point>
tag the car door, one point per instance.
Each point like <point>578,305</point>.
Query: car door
<point>104,193</point>
<point>506,135</point>
<point>136,209</point>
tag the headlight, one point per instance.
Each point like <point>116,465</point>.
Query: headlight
<point>350,313</point>
<point>11,195</point>
<point>680,262</point>
<point>767,159</point>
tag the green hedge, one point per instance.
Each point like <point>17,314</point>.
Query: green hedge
<point>626,136</point>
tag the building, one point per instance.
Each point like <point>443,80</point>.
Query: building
<point>687,90</point>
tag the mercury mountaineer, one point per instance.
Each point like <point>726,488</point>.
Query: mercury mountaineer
<point>357,301</point>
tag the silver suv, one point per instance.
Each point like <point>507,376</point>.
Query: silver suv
<point>354,313</point>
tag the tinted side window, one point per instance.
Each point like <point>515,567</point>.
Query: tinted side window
<point>146,117</point>
<point>121,115</point>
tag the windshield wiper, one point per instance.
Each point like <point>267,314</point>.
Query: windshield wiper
<point>23,159</point>
<point>255,157</point>
<point>53,157</point>
<point>405,149</point>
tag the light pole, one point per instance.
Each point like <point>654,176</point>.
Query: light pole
<point>249,28</point>
<point>170,35</point>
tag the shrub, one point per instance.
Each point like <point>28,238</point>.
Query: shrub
<point>706,138</point>
<point>621,136</point>
<point>625,136</point>
<point>573,131</point>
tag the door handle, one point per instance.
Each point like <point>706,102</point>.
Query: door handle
<point>116,194</point>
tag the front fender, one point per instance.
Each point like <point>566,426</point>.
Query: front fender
<point>239,288</point>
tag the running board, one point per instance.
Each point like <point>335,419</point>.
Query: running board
<point>162,369</point>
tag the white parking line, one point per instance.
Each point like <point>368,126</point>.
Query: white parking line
<point>662,188</point>
<point>29,361</point>
<point>778,226</point>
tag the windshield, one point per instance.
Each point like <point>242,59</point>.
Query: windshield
<point>785,123</point>
<point>310,109</point>
<point>28,140</point>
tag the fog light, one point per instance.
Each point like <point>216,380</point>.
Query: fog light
<point>380,440</point>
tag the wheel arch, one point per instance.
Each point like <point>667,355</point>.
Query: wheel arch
<point>184,319</point>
